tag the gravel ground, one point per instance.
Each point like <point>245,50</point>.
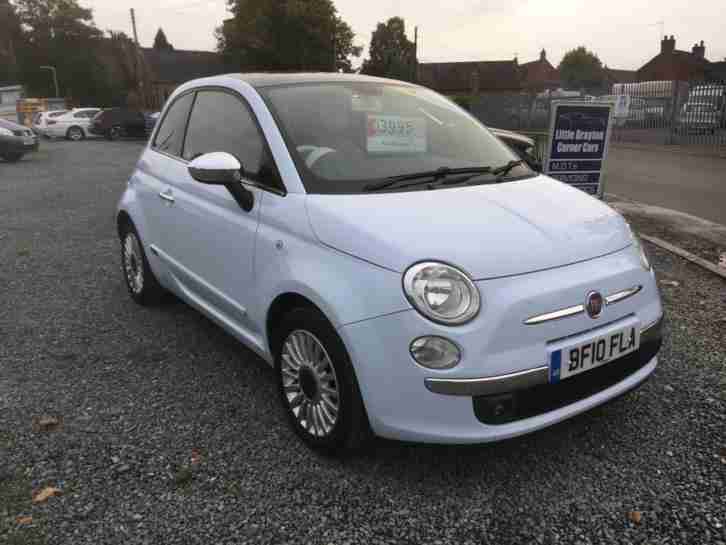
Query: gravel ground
<point>696,235</point>
<point>170,432</point>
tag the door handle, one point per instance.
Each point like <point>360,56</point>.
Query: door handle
<point>167,195</point>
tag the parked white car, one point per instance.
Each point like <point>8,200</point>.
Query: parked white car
<point>400,267</point>
<point>72,125</point>
<point>40,121</point>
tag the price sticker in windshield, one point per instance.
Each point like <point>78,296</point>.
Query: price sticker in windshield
<point>396,134</point>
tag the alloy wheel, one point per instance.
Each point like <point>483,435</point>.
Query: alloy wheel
<point>133,263</point>
<point>309,383</point>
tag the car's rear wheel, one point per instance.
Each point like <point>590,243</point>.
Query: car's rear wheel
<point>75,133</point>
<point>143,286</point>
<point>114,133</point>
<point>12,157</point>
<point>317,384</point>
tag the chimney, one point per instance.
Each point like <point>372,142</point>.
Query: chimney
<point>668,45</point>
<point>543,55</point>
<point>699,50</point>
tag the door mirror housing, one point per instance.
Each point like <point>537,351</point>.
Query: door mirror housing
<point>222,168</point>
<point>216,168</point>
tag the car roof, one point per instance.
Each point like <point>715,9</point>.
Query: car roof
<point>7,124</point>
<point>264,79</point>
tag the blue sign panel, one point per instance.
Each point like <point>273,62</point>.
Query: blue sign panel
<point>579,134</point>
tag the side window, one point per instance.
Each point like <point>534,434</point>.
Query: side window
<point>221,122</point>
<point>80,115</point>
<point>170,135</point>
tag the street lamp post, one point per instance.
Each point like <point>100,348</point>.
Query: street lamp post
<point>55,78</point>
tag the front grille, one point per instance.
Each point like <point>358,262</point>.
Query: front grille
<point>23,133</point>
<point>543,398</point>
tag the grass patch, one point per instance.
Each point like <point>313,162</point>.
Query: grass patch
<point>15,500</point>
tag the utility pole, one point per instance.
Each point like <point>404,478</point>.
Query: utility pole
<point>335,54</point>
<point>55,78</point>
<point>415,54</point>
<point>133,25</point>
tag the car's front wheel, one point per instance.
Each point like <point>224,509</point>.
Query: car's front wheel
<point>114,133</point>
<point>12,157</point>
<point>317,384</point>
<point>143,286</point>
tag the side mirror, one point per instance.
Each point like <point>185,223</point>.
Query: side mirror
<point>222,168</point>
<point>217,168</point>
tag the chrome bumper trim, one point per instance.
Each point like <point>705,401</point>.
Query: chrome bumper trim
<point>622,295</point>
<point>579,309</point>
<point>501,384</point>
<point>488,385</point>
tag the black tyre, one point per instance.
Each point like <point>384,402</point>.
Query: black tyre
<point>317,384</point>
<point>75,134</point>
<point>12,157</point>
<point>143,286</point>
<point>114,133</point>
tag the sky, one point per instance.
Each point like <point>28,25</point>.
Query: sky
<point>623,33</point>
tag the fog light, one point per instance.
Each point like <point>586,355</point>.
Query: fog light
<point>435,352</point>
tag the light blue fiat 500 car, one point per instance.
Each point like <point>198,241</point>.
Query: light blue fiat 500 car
<point>403,271</point>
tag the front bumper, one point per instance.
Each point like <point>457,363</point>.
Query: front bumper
<point>501,355</point>
<point>524,380</point>
<point>18,144</point>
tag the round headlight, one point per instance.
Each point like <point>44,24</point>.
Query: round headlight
<point>442,293</point>
<point>435,352</point>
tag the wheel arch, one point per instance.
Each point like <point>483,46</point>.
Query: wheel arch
<point>68,130</point>
<point>280,306</point>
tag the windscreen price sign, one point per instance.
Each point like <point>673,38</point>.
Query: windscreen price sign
<point>579,136</point>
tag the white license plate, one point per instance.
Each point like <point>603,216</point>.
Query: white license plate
<point>578,358</point>
<point>28,141</point>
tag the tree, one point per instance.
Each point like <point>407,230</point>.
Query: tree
<point>286,35</point>
<point>582,69</point>
<point>391,53</point>
<point>10,37</point>
<point>160,41</point>
<point>62,34</point>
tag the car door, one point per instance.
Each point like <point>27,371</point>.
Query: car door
<point>158,167</point>
<point>211,249</point>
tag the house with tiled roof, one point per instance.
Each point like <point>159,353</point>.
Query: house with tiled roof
<point>614,75</point>
<point>470,78</point>
<point>675,64</point>
<point>539,75</point>
<point>169,68</point>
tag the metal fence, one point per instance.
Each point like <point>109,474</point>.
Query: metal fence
<point>658,112</point>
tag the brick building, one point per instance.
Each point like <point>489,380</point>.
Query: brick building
<point>470,78</point>
<point>675,64</point>
<point>539,75</point>
<point>169,68</point>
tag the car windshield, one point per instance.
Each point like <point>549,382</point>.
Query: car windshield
<point>345,136</point>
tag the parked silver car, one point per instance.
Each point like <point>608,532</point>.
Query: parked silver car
<point>15,141</point>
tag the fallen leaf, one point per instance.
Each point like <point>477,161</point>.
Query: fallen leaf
<point>671,283</point>
<point>635,516</point>
<point>196,456</point>
<point>47,423</point>
<point>23,521</point>
<point>183,476</point>
<point>47,492</point>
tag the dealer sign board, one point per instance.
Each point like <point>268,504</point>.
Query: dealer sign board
<point>579,136</point>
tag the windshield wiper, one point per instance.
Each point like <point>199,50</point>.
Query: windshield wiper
<point>426,177</point>
<point>503,170</point>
